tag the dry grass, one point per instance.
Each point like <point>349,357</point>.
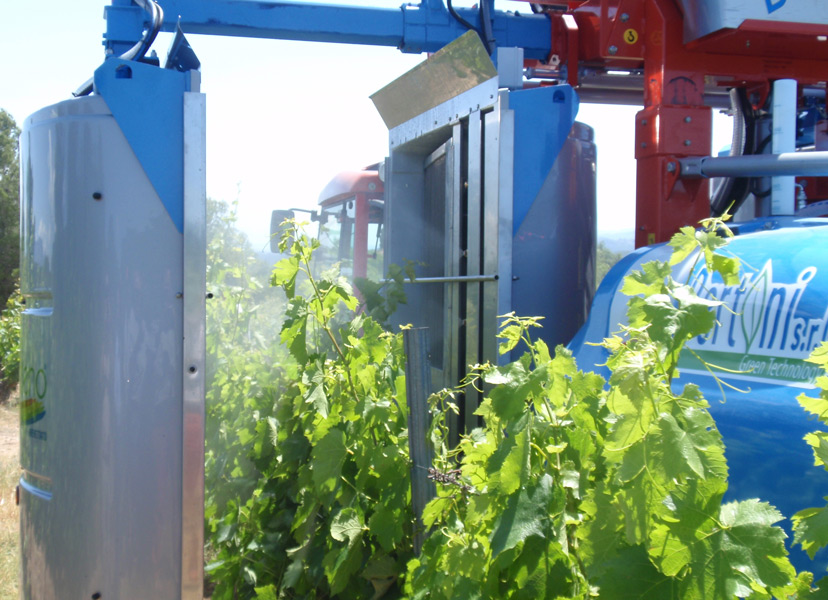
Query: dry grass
<point>9,540</point>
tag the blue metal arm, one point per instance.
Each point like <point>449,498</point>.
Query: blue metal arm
<point>424,27</point>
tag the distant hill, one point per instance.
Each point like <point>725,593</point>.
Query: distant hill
<point>622,240</point>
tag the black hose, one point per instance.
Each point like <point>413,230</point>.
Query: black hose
<point>733,191</point>
<point>460,19</point>
<point>486,25</point>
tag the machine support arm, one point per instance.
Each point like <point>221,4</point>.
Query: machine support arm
<point>424,27</point>
<point>813,164</point>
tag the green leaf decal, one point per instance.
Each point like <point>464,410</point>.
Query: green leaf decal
<point>756,293</point>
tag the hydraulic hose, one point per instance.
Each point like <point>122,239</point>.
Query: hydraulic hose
<point>732,192</point>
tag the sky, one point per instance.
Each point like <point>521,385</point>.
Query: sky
<point>283,117</point>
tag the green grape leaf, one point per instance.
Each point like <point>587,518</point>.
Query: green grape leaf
<point>693,449</point>
<point>736,552</point>
<point>811,529</point>
<point>513,385</point>
<point>319,400</point>
<point>603,528</point>
<point>683,243</point>
<point>629,575</point>
<point>284,275</point>
<point>515,469</point>
<point>328,456</point>
<point>526,514</point>
<point>346,525</point>
<point>386,526</point>
<point>816,406</point>
<point>648,281</point>
<point>382,572</point>
<point>632,416</point>
<point>728,267</point>
<point>268,592</point>
<point>818,440</point>
<point>340,565</point>
<point>819,355</point>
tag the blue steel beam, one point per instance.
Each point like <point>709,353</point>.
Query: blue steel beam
<point>424,27</point>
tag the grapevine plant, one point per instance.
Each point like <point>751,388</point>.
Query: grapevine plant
<point>571,487</point>
<point>330,514</point>
<point>10,340</point>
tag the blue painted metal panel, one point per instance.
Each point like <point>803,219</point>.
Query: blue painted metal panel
<point>543,119</point>
<point>779,313</point>
<point>124,26</point>
<point>425,27</point>
<point>147,103</point>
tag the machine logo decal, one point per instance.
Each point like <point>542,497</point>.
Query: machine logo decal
<point>31,411</point>
<point>774,5</point>
<point>33,386</point>
<point>764,330</point>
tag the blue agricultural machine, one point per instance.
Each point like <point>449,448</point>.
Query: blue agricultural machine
<point>489,184</point>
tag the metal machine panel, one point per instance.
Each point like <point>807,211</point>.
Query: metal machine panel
<point>774,317</point>
<point>101,275</point>
<point>473,255</point>
<point>554,247</point>
<point>702,17</point>
<point>492,183</point>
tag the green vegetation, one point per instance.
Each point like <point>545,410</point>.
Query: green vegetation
<point>9,254</point>
<point>573,487</point>
<point>327,512</point>
<point>10,343</point>
<point>9,205</point>
<point>605,259</point>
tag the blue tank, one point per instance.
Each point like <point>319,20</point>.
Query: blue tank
<point>778,315</point>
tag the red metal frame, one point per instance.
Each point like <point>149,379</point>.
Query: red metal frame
<point>675,123</point>
<point>361,187</point>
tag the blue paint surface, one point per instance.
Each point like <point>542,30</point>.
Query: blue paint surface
<point>780,315</point>
<point>147,103</point>
<point>543,118</point>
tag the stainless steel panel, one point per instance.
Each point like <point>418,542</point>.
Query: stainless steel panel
<point>474,197</point>
<point>702,17</point>
<point>195,285</point>
<point>505,208</point>
<point>491,241</point>
<point>418,133</point>
<point>102,275</point>
<point>458,67</point>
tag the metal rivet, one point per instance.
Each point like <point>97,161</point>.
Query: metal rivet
<point>96,596</point>
<point>97,195</point>
<point>613,50</point>
<point>179,295</point>
<point>687,142</point>
<point>625,17</point>
<point>687,119</point>
<point>671,167</point>
<point>643,121</point>
<point>643,144</point>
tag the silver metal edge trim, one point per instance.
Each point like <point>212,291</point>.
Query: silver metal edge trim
<point>447,113</point>
<point>505,200</point>
<point>195,283</point>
